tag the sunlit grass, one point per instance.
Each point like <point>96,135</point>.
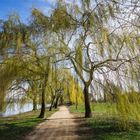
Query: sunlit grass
<point>96,108</point>
<point>16,127</point>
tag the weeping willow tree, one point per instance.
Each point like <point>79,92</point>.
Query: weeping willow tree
<point>18,48</point>
<point>6,72</point>
<point>76,93</point>
<point>96,35</point>
<point>63,88</point>
<point>99,39</point>
<point>127,109</point>
<point>123,105</point>
<point>10,72</point>
<point>37,74</point>
<point>13,34</point>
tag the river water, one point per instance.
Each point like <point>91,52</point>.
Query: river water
<point>16,108</point>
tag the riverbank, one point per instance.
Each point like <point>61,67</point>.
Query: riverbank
<point>17,126</point>
<point>104,126</point>
<point>16,108</point>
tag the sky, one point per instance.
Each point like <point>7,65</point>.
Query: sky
<point>23,7</point>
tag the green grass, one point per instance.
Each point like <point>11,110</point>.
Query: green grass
<point>16,127</point>
<point>97,108</point>
<point>106,127</point>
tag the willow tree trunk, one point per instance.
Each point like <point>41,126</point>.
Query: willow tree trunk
<point>56,102</point>
<point>35,101</point>
<point>43,101</point>
<point>61,100</point>
<point>42,113</point>
<point>53,98</point>
<point>88,113</point>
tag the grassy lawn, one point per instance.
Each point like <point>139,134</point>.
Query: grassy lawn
<point>106,127</point>
<point>16,127</point>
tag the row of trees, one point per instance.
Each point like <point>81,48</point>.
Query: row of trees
<point>29,67</point>
<point>98,40</point>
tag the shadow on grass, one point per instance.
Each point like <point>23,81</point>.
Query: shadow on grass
<point>17,129</point>
<point>108,129</point>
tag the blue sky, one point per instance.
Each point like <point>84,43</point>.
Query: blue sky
<point>22,7</point>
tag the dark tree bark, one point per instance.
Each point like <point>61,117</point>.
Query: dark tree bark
<point>61,100</point>
<point>88,112</point>
<point>56,102</point>
<point>52,103</point>
<point>35,101</point>
<point>42,113</point>
<point>43,100</point>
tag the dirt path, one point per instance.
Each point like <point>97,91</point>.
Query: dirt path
<point>61,126</point>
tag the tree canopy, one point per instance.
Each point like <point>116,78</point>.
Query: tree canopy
<point>81,49</point>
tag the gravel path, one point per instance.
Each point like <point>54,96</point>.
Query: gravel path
<point>61,126</point>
